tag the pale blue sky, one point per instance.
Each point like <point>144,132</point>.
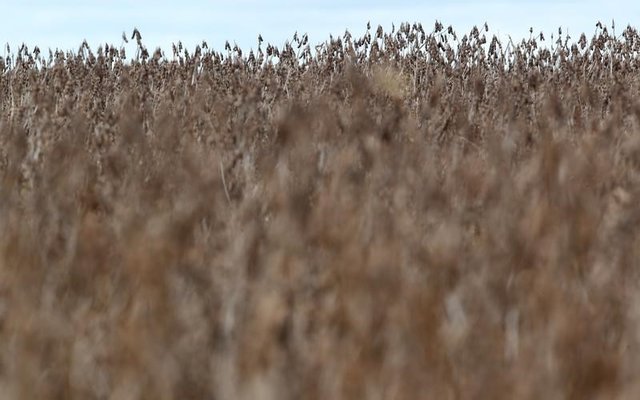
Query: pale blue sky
<point>64,24</point>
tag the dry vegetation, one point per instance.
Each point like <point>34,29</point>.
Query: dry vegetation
<point>405,215</point>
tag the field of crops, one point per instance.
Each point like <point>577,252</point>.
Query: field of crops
<point>411,214</point>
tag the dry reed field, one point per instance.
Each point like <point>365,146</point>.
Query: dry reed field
<point>411,214</point>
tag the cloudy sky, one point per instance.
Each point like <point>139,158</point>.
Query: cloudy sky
<point>65,24</point>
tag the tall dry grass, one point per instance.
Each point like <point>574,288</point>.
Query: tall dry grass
<point>404,215</point>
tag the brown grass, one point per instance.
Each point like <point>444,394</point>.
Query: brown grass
<point>404,215</point>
